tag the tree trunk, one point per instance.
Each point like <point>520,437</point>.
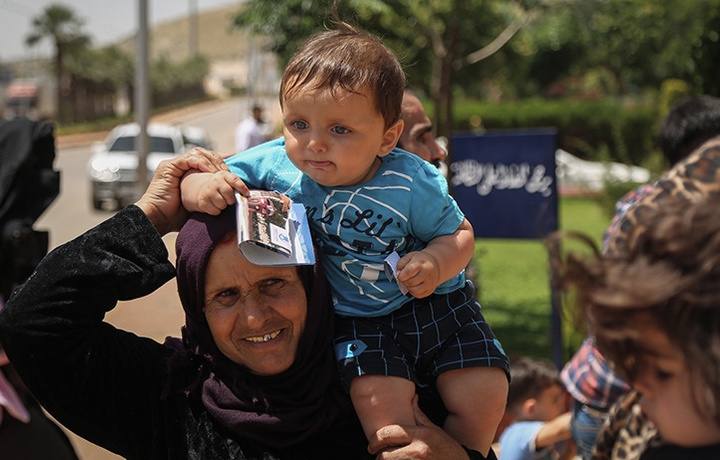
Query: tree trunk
<point>436,92</point>
<point>58,77</point>
<point>445,121</point>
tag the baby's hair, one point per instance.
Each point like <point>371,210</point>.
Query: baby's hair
<point>347,59</point>
<point>668,278</point>
<point>528,378</point>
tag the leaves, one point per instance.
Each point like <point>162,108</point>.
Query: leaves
<point>59,24</point>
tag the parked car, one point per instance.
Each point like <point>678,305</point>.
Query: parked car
<point>112,169</point>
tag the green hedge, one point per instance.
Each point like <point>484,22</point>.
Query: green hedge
<point>594,130</point>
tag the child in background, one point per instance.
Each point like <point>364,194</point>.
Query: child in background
<point>341,99</point>
<point>655,312</point>
<point>587,376</point>
<point>538,408</point>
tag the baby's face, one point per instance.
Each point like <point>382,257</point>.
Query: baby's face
<point>335,139</point>
<point>665,385</point>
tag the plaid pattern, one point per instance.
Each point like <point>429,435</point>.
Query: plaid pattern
<point>587,376</point>
<point>419,341</point>
<point>589,379</point>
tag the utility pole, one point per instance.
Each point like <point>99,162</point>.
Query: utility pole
<point>142,96</point>
<point>193,25</point>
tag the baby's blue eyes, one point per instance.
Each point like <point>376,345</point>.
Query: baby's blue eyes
<point>301,125</point>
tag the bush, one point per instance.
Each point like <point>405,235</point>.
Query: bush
<point>173,82</point>
<point>593,130</point>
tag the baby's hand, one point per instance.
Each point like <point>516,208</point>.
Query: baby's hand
<point>211,192</point>
<point>419,272</point>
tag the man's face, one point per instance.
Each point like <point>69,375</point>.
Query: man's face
<point>417,137</point>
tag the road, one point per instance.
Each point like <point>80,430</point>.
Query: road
<point>159,314</point>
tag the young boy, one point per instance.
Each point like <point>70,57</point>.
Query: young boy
<point>341,97</point>
<point>538,407</point>
<point>655,310</point>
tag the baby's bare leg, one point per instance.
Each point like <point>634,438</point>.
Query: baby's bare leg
<point>381,400</point>
<point>475,398</point>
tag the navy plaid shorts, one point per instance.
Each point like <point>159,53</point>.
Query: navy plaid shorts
<point>419,341</point>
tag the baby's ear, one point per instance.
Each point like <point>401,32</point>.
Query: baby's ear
<point>528,408</point>
<point>391,137</point>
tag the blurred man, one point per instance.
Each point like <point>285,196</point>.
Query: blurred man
<point>417,136</point>
<point>251,131</point>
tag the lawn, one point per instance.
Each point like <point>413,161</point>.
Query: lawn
<point>515,284</point>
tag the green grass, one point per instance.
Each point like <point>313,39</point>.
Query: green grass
<point>515,286</point>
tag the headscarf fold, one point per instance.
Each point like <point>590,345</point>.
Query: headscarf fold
<point>279,410</point>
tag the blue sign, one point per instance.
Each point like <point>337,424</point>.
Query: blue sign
<point>505,182</point>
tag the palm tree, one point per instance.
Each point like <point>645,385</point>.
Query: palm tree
<point>59,24</point>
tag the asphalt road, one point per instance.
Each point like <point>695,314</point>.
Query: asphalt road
<point>159,314</point>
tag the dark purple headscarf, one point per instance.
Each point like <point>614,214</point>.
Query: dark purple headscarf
<point>279,410</point>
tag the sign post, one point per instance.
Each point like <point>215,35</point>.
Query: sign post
<point>505,183</point>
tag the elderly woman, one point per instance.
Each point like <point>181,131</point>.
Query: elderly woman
<point>253,376</point>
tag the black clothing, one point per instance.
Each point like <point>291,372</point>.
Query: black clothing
<point>670,452</point>
<point>110,386</point>
<point>39,439</point>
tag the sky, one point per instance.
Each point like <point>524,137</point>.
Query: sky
<point>105,21</point>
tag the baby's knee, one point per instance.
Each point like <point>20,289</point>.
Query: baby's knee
<point>465,390</point>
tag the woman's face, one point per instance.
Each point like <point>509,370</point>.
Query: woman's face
<point>256,314</point>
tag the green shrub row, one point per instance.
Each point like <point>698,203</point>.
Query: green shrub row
<point>593,130</point>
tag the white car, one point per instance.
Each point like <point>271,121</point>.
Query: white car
<point>112,169</point>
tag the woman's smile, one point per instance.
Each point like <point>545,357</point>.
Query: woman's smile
<point>264,338</point>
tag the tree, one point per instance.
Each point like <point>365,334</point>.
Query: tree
<point>706,55</point>
<point>638,43</point>
<point>433,39</point>
<point>59,24</point>
<point>96,76</point>
<point>171,82</point>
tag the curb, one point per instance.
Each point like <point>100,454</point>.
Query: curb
<point>79,140</point>
<point>171,117</point>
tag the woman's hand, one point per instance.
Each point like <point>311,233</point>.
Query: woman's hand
<point>422,441</point>
<point>161,201</point>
